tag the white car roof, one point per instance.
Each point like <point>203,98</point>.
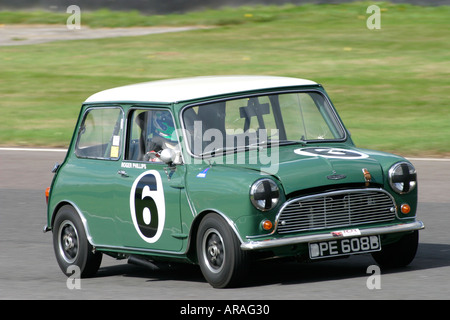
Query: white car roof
<point>175,90</point>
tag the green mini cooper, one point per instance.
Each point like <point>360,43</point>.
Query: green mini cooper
<point>222,171</point>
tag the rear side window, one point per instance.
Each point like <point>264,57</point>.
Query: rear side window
<point>100,134</point>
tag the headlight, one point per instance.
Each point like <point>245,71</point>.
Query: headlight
<point>402,177</point>
<point>264,194</point>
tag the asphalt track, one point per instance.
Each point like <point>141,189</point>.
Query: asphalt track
<point>28,269</point>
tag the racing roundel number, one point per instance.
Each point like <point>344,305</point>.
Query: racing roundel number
<point>147,206</point>
<point>332,153</point>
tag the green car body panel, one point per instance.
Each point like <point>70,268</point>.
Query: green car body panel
<point>105,190</point>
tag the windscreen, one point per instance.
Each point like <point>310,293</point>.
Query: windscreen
<point>239,124</point>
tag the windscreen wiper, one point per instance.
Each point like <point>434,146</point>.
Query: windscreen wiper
<point>238,148</point>
<point>287,142</point>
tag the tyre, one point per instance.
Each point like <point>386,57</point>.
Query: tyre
<point>220,257</point>
<point>400,253</point>
<point>71,245</point>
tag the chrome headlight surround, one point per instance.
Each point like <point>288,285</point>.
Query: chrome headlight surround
<point>402,177</point>
<point>264,194</point>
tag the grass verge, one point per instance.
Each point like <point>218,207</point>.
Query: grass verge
<point>390,85</point>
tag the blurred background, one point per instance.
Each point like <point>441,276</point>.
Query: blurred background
<point>173,6</point>
<point>390,85</point>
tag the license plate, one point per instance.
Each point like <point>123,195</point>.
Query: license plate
<point>346,246</point>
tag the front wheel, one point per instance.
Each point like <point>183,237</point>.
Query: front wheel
<point>71,245</point>
<point>400,253</point>
<point>220,257</point>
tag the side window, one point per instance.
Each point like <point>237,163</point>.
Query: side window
<point>100,134</point>
<point>150,132</point>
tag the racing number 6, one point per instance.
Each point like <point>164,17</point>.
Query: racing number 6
<point>147,206</point>
<point>146,209</point>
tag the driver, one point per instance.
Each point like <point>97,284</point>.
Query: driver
<point>164,136</point>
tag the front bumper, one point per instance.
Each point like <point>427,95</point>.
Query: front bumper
<point>273,243</point>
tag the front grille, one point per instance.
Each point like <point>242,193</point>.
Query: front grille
<point>336,209</point>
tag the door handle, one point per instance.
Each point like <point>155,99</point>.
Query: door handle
<point>123,173</point>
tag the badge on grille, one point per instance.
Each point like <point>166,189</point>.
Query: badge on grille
<point>367,176</point>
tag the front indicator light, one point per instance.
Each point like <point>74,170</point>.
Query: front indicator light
<point>405,208</point>
<point>267,225</point>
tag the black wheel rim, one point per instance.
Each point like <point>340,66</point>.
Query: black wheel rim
<point>213,250</point>
<point>68,241</point>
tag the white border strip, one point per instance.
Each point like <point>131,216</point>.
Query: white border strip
<point>33,149</point>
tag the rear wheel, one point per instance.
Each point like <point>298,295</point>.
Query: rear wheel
<point>220,257</point>
<point>400,253</point>
<point>71,245</point>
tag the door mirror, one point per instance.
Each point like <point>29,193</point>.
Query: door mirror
<point>168,156</point>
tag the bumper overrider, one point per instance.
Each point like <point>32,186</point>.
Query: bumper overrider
<point>286,241</point>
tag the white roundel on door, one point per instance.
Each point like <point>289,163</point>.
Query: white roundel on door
<point>147,206</point>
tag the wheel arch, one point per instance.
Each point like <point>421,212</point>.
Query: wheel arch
<point>191,251</point>
<point>78,212</point>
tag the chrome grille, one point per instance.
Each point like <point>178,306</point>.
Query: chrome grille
<point>336,209</point>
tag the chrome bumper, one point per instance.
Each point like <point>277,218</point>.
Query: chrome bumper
<point>272,243</point>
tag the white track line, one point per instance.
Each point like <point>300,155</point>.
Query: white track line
<point>33,149</point>
<point>428,159</point>
<point>65,150</point>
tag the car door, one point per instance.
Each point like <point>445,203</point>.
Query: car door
<point>148,190</point>
<point>89,176</point>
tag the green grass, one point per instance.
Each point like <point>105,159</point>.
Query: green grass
<point>108,18</point>
<point>390,86</point>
